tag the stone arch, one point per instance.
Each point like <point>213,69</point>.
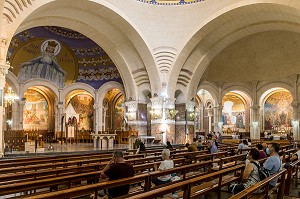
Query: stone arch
<point>100,93</point>
<point>212,89</point>
<point>208,39</point>
<point>39,82</point>
<point>179,96</point>
<point>269,124</point>
<point>77,86</point>
<point>242,89</point>
<point>120,38</point>
<point>263,89</point>
<point>13,82</point>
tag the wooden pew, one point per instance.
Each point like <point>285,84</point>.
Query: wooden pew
<point>62,159</point>
<point>264,184</point>
<point>292,166</point>
<point>192,188</point>
<point>230,161</point>
<point>54,165</point>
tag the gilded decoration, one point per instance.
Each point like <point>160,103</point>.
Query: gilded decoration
<point>233,113</point>
<point>278,110</point>
<point>36,111</point>
<point>76,57</point>
<point>83,105</point>
<point>170,2</point>
<point>47,59</point>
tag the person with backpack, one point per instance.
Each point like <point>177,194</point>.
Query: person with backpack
<point>273,163</point>
<point>251,174</point>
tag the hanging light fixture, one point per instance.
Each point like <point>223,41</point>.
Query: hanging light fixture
<point>10,96</point>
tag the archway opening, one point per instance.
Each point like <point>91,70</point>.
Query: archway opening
<point>113,115</point>
<point>236,113</point>
<point>277,111</point>
<point>82,102</point>
<point>204,112</point>
<point>39,112</point>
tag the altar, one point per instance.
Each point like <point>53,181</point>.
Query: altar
<point>105,141</point>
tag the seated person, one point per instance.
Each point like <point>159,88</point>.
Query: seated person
<point>273,163</point>
<point>193,147</point>
<point>251,174</point>
<point>243,145</point>
<point>142,148</point>
<point>262,154</point>
<point>249,142</point>
<point>117,168</point>
<point>265,148</point>
<point>169,146</point>
<point>166,164</point>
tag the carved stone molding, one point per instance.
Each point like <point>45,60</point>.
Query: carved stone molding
<point>3,72</point>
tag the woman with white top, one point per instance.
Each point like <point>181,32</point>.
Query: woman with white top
<point>166,164</point>
<point>250,175</point>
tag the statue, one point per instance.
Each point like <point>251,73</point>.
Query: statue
<point>282,118</point>
<point>240,121</point>
<point>44,66</point>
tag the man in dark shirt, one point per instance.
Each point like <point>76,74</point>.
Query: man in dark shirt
<point>117,168</point>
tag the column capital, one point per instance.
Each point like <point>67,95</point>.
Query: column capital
<point>220,107</point>
<point>295,103</point>
<point>255,107</point>
<point>96,106</point>
<point>4,66</point>
<point>60,105</point>
<point>190,106</point>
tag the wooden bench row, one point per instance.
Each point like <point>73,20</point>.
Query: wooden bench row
<point>146,178</point>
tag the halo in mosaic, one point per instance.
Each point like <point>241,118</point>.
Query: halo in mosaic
<point>170,2</point>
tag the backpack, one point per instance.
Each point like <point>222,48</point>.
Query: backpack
<point>262,171</point>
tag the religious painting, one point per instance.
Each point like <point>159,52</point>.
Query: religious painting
<point>60,55</point>
<point>233,113</point>
<point>45,59</point>
<point>83,105</point>
<point>278,111</point>
<point>36,111</point>
<point>119,114</point>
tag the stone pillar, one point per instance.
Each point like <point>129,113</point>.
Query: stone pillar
<point>190,120</point>
<point>20,113</point>
<point>163,119</point>
<point>3,71</point>
<point>104,109</point>
<point>136,114</point>
<point>295,121</point>
<point>220,123</point>
<point>96,118</point>
<point>215,119</point>
<point>254,121</point>
<point>180,124</point>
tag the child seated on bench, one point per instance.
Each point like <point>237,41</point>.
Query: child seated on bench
<point>164,165</point>
<point>251,174</point>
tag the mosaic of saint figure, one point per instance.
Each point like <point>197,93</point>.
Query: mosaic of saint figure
<point>44,66</point>
<point>240,121</point>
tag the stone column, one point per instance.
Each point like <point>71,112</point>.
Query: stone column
<point>216,119</point>
<point>96,118</point>
<point>254,121</point>
<point>104,109</point>
<point>180,124</point>
<point>163,119</point>
<point>295,121</point>
<point>220,123</point>
<point>136,115</point>
<point>20,112</point>
<point>3,71</point>
<point>190,120</point>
